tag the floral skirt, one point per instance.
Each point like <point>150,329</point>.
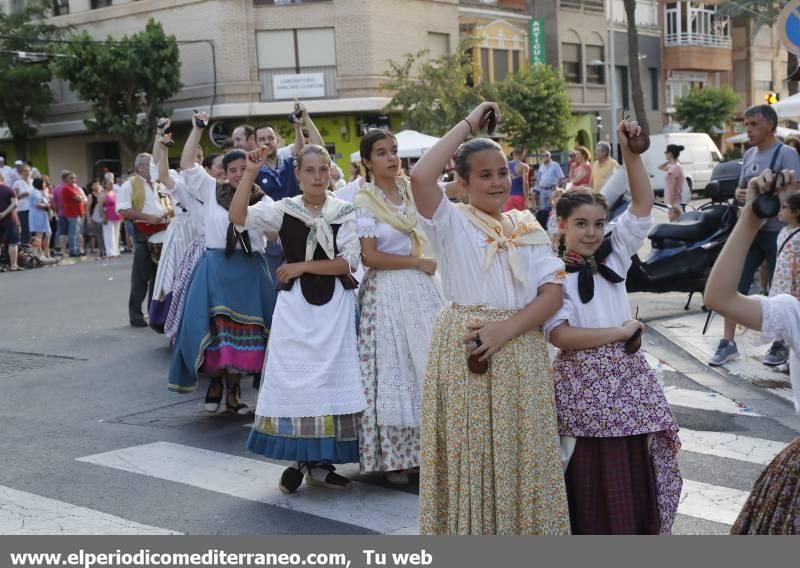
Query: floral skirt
<point>490,451</point>
<point>397,313</point>
<point>606,393</point>
<point>773,506</point>
<point>331,439</point>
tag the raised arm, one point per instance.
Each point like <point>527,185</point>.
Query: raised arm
<point>161,156</point>
<point>721,294</point>
<point>313,132</point>
<point>237,213</point>
<point>642,197</point>
<point>426,172</point>
<point>190,148</point>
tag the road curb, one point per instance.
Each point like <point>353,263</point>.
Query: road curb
<point>719,380</point>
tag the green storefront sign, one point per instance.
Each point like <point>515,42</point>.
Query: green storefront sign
<point>536,39</point>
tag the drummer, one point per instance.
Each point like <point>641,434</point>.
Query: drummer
<point>139,200</point>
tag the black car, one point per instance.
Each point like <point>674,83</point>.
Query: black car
<point>724,180</point>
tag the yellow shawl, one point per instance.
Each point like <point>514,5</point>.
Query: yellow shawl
<point>527,231</point>
<point>370,197</point>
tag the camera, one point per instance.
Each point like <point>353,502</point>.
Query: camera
<point>296,116</point>
<point>768,205</point>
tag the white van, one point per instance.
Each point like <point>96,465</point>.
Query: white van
<point>698,158</point>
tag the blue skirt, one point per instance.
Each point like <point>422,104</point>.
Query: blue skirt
<point>226,318</point>
<point>330,439</point>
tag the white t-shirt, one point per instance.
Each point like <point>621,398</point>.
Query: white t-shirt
<point>20,187</point>
<point>780,319</point>
<point>286,152</point>
<point>609,307</point>
<point>214,215</point>
<point>460,251</point>
<point>152,204</point>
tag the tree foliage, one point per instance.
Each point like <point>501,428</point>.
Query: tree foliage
<point>541,110</point>
<point>704,110</point>
<point>432,95</point>
<point>126,81</point>
<point>25,97</point>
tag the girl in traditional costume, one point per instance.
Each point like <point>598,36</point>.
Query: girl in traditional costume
<point>229,302</point>
<point>311,389</point>
<point>399,300</point>
<point>616,426</point>
<point>490,456</point>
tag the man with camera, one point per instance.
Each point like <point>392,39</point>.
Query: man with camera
<point>766,153</point>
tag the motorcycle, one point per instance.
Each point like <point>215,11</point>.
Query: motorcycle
<point>684,251</point>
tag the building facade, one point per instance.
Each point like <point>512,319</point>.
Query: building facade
<point>332,54</point>
<point>697,48</point>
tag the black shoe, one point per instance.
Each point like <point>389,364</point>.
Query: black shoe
<point>212,403</point>
<point>331,480</point>
<point>138,323</point>
<point>233,402</point>
<point>291,479</point>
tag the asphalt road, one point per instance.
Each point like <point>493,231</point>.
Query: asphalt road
<point>92,439</point>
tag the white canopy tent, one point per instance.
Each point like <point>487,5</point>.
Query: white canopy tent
<point>781,132</point>
<point>788,108</point>
<point>410,144</point>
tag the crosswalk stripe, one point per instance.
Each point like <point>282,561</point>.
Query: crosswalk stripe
<point>26,513</point>
<point>705,400</point>
<point>711,502</point>
<point>386,511</point>
<point>734,446</point>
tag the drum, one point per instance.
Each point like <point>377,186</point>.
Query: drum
<point>155,242</point>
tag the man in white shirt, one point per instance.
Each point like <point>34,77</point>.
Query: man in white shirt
<point>16,173</point>
<point>138,200</point>
<point>6,171</point>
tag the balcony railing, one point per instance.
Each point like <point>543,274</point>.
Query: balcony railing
<point>597,6</point>
<point>704,40</point>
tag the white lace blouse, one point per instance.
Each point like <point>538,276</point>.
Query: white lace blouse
<point>389,239</point>
<point>460,251</point>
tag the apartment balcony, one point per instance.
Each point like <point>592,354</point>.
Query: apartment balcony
<point>697,39</point>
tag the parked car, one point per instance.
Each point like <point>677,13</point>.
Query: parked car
<point>699,158</point>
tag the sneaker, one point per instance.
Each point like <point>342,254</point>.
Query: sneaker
<point>138,323</point>
<point>726,351</point>
<point>777,355</point>
<point>322,475</point>
<point>291,479</point>
<point>399,477</point>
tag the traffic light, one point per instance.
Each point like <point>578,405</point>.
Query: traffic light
<point>772,98</point>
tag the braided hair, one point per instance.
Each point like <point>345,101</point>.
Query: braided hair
<point>570,201</point>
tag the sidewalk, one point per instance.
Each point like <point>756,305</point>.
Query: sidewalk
<point>686,333</point>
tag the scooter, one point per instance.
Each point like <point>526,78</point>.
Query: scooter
<point>683,252</point>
